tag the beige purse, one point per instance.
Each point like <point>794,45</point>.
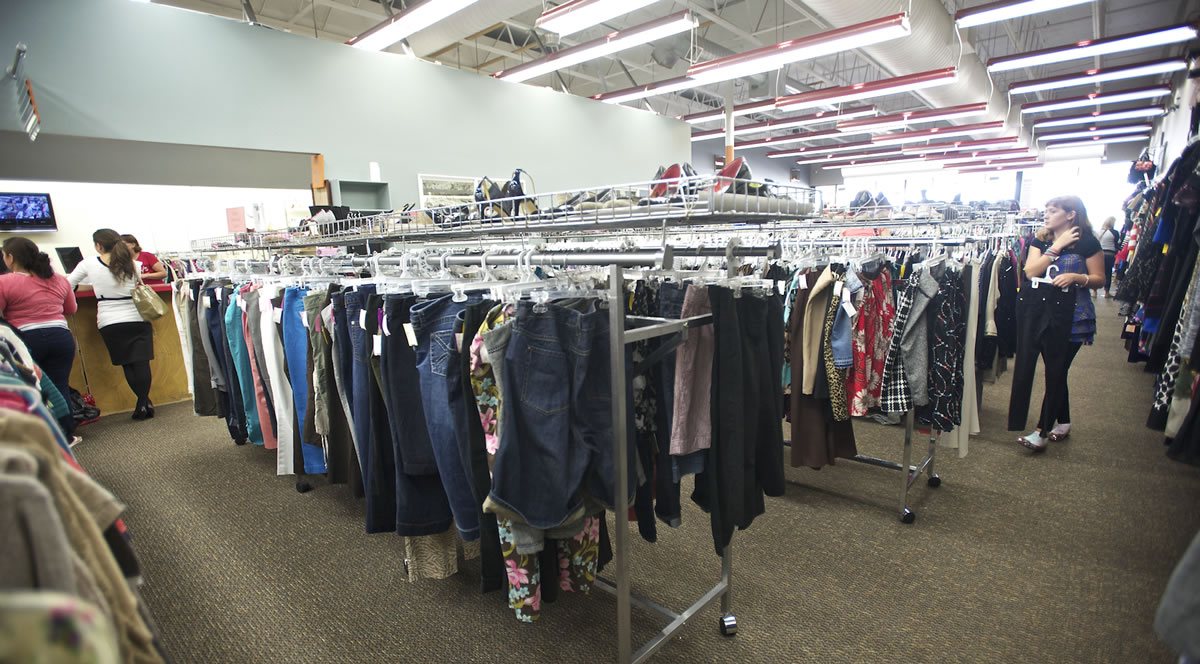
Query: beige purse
<point>148,303</point>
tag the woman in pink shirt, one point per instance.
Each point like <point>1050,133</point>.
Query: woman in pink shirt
<point>37,301</point>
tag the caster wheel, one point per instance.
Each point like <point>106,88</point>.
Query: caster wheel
<point>935,482</point>
<point>239,442</point>
<point>908,516</point>
<point>728,626</point>
<point>303,486</point>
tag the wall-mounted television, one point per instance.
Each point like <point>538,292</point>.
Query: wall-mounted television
<point>26,213</point>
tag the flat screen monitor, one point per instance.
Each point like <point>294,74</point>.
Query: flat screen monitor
<point>69,257</point>
<point>26,213</point>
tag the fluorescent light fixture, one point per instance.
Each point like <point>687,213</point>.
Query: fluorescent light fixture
<point>954,146</point>
<point>571,17</point>
<point>1089,48</point>
<point>613,42</point>
<point>773,57</point>
<point>1113,116</point>
<point>822,149</point>
<point>647,90</point>
<point>941,132</point>
<point>868,162</point>
<point>788,123</point>
<point>993,169</point>
<point>975,155</point>
<point>1097,131</point>
<point>740,109</point>
<point>857,91</point>
<point>1097,99</point>
<point>888,168</point>
<point>817,158</point>
<point>992,162</point>
<point>901,120</point>
<point>789,138</point>
<point>1097,140</point>
<point>402,24</point>
<point>1097,76</point>
<point>1002,11</point>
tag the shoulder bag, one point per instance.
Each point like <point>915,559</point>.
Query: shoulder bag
<point>148,303</point>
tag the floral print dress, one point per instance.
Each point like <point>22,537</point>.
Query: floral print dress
<point>872,336</point>
<point>577,556</point>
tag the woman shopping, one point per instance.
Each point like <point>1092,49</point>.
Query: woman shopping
<point>37,301</point>
<point>129,338</point>
<point>153,271</point>
<point>1110,242</point>
<point>1055,316</point>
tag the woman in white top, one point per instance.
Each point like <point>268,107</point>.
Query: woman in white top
<point>1110,242</point>
<point>129,338</point>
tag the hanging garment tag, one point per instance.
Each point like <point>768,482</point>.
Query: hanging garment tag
<point>277,315</point>
<point>220,295</point>
<point>411,334</point>
<point>458,341</point>
<point>377,344</point>
<point>781,287</point>
<point>804,281</point>
<point>837,288</point>
<point>387,331</point>
<point>304,320</point>
<point>362,318</point>
<point>849,307</point>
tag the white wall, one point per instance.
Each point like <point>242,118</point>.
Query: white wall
<point>144,72</point>
<point>1172,135</point>
<point>164,218</point>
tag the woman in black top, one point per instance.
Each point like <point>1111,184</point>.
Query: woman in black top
<point>1046,314</point>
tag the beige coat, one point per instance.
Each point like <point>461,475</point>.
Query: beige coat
<point>819,297</point>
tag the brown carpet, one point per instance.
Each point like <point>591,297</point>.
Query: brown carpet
<point>1060,558</point>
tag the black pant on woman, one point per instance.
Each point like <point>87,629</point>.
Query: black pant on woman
<point>1044,317</point>
<point>1110,259</point>
<point>53,348</point>
<point>1064,410</point>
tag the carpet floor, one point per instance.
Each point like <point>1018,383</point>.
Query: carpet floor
<point>1059,558</point>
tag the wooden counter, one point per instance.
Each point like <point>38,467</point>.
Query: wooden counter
<point>94,372</point>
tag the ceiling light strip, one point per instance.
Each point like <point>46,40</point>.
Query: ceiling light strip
<point>1097,131</point>
<point>858,91</point>
<point>789,138</point>
<point>815,158</point>
<point>939,132</point>
<point>773,57</point>
<point>401,25</point>
<point>1097,76</point>
<point>740,109</point>
<point>868,162</point>
<point>1098,140</point>
<point>960,145</point>
<point>648,90</point>
<point>1112,116</point>
<point>599,47</point>
<point>900,120</point>
<point>1007,9</point>
<point>992,162</point>
<point>571,17</point>
<point>993,169</point>
<point>1089,48</point>
<point>822,149</point>
<point>1097,99</point>
<point>949,157</point>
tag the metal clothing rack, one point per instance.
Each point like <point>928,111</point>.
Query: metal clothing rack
<point>623,330</point>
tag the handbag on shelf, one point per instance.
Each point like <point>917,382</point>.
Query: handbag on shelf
<point>148,303</point>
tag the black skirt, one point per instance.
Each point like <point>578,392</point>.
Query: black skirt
<point>129,342</point>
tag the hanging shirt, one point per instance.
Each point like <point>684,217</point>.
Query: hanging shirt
<point>114,300</point>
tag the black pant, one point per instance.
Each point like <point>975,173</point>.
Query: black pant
<point>1110,259</point>
<point>53,348</point>
<point>1044,316</point>
<point>1064,410</point>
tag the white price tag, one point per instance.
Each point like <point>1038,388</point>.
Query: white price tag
<point>411,334</point>
<point>220,295</point>
<point>277,316</point>
<point>377,344</point>
<point>781,287</point>
<point>458,341</point>
<point>387,331</point>
<point>303,319</point>
<point>362,318</point>
<point>804,281</point>
<point>848,305</point>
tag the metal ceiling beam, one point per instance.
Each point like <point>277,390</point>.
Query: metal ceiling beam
<point>1018,48</point>
<point>348,9</point>
<point>248,12</point>
<point>1097,24</point>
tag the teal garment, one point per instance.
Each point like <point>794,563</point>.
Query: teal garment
<point>236,335</point>
<point>56,400</point>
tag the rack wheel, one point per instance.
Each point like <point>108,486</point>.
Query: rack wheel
<point>728,626</point>
<point>908,516</point>
<point>240,442</point>
<point>935,482</point>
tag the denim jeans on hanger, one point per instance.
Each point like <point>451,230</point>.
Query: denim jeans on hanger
<point>666,504</point>
<point>558,416</point>
<point>205,394</point>
<point>234,418</point>
<point>434,323</point>
<point>295,347</point>
<point>236,336</point>
<point>343,360</point>
<point>369,414</point>
<point>421,504</point>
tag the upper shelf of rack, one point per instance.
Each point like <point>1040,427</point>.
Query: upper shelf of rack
<point>656,203</point>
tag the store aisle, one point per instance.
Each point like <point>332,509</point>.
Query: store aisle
<point>1015,559</point>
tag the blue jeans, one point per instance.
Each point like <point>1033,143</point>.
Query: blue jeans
<point>666,504</point>
<point>556,442</point>
<point>235,419</point>
<point>422,507</point>
<point>438,365</point>
<point>244,390</point>
<point>370,416</point>
<point>344,359</point>
<point>53,348</point>
<point>295,347</point>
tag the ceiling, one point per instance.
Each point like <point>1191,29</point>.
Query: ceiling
<point>495,34</point>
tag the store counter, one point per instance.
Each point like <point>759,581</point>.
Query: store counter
<point>94,372</point>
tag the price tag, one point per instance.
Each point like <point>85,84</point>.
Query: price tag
<point>458,341</point>
<point>781,287</point>
<point>411,334</point>
<point>387,331</point>
<point>362,318</point>
<point>277,315</point>
<point>377,344</point>
<point>837,288</point>
<point>848,305</point>
<point>220,295</point>
<point>804,281</point>
<point>304,320</point>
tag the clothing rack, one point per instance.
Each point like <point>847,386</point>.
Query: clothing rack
<point>623,330</point>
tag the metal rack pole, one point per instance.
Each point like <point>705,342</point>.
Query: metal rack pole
<point>616,348</point>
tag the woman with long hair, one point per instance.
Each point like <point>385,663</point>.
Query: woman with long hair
<point>153,271</point>
<point>36,301</point>
<point>129,338</point>
<point>1110,242</point>
<point>1055,316</point>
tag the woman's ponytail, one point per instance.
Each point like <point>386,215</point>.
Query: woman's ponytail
<point>120,261</point>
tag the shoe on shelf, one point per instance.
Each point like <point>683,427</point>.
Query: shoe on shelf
<point>1060,432</point>
<point>1035,442</point>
